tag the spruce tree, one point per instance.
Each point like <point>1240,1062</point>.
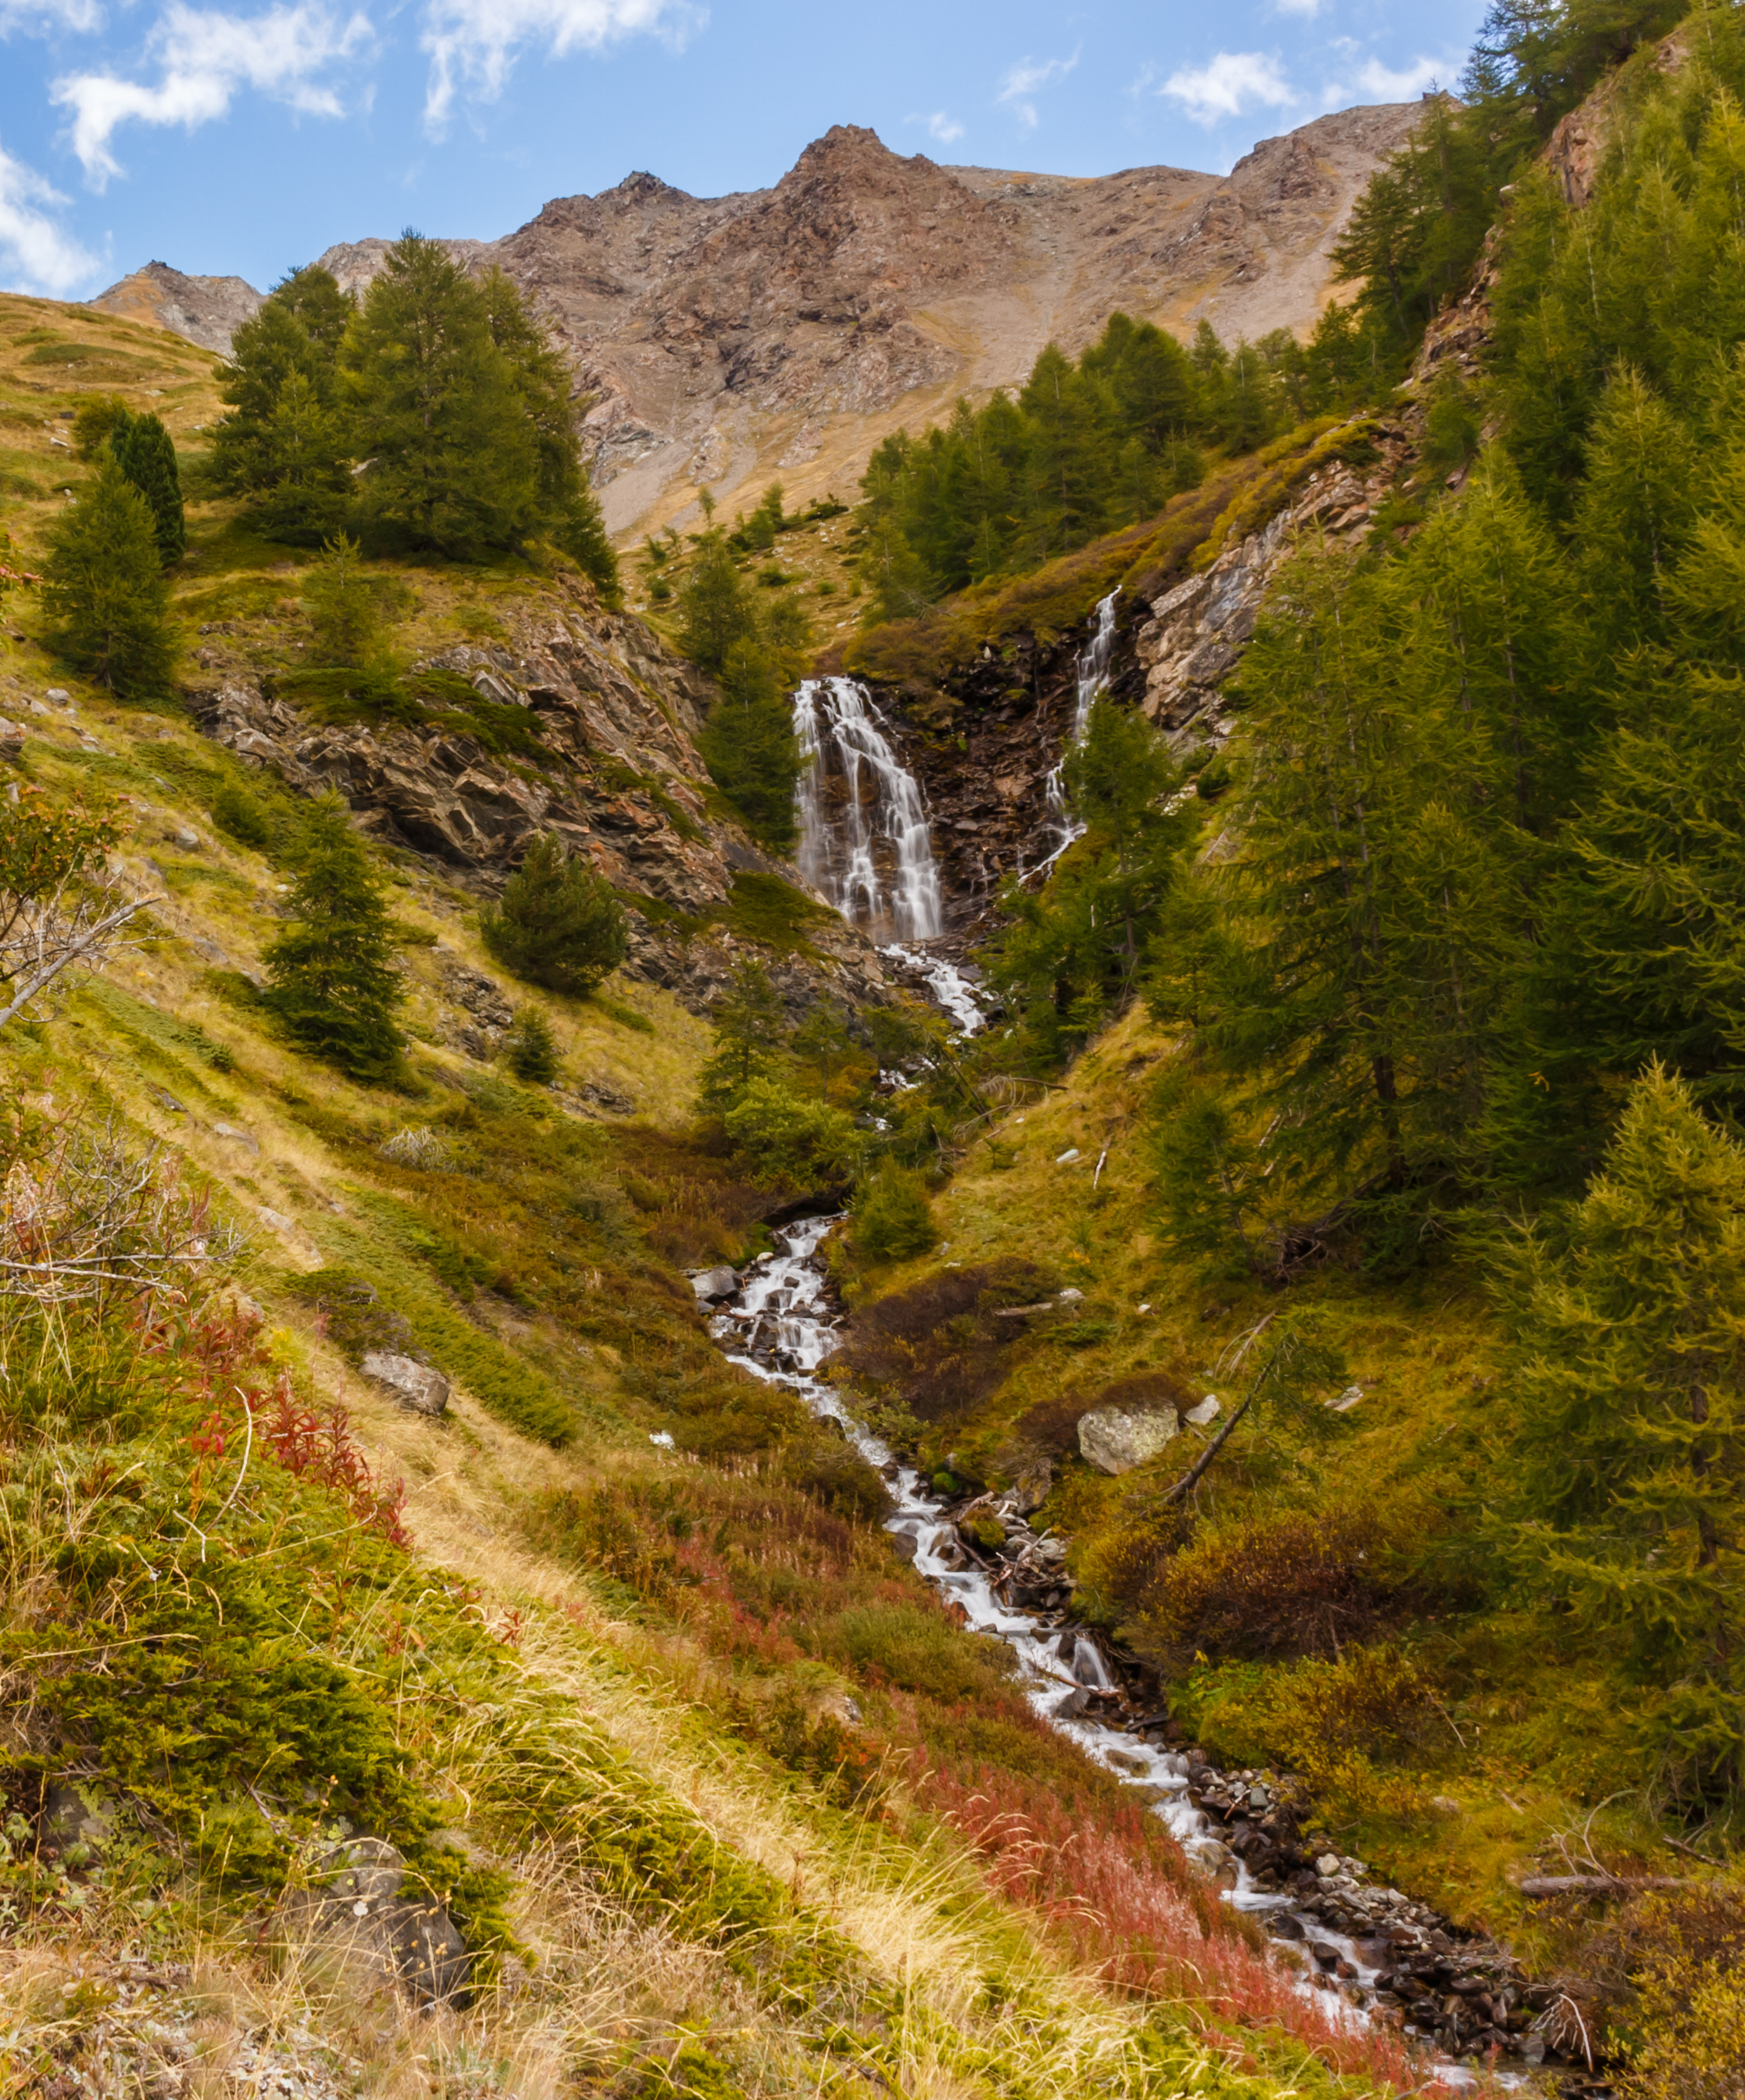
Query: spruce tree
<point>749,745</point>
<point>750,1030</point>
<point>283,444</point>
<point>1622,1470</point>
<point>558,924</point>
<point>145,454</point>
<point>334,982</point>
<point>103,587</point>
<point>438,409</point>
<point>531,1048</point>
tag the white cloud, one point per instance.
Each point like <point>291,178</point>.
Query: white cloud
<point>39,17</point>
<point>39,255</point>
<point>1309,9</point>
<point>476,42</point>
<point>1380,83</point>
<point>1229,84</point>
<point>944,128</point>
<point>1018,82</point>
<point>203,58</point>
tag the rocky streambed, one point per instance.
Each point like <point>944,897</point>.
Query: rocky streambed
<point>1343,1931</point>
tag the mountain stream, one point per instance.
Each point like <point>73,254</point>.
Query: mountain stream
<point>1357,1938</point>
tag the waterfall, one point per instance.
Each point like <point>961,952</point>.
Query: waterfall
<point>863,834</point>
<point>1093,681</point>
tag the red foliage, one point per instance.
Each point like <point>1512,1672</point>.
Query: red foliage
<point>1120,1894</point>
<point>321,1449</point>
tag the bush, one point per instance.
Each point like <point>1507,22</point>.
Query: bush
<point>788,1137</point>
<point>935,1349</point>
<point>236,813</point>
<point>1291,1584</point>
<point>531,1048</point>
<point>894,1220</point>
<point>915,1648</point>
<point>559,924</point>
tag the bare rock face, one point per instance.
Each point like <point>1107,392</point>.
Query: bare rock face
<point>618,778</point>
<point>725,339</point>
<point>208,310</point>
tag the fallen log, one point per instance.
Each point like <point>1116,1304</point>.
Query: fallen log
<point>1540,1887</point>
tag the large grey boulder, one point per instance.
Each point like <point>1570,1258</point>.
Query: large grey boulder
<point>1115,1440</point>
<point>712,1285</point>
<point>413,1384</point>
<point>360,1913</point>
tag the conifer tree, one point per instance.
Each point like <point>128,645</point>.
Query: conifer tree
<point>531,1048</point>
<point>1623,1465</point>
<point>749,745</point>
<point>284,445</point>
<point>750,1030</point>
<point>144,453</point>
<point>438,407</point>
<point>558,924</point>
<point>333,981</point>
<point>103,587</point>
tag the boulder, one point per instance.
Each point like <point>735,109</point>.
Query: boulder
<point>74,1816</point>
<point>413,1384</point>
<point>1115,1440</point>
<point>358,1910</point>
<point>712,1285</point>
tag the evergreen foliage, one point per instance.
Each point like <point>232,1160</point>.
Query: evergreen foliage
<point>334,982</point>
<point>236,812</point>
<point>558,924</point>
<point>144,453</point>
<point>98,417</point>
<point>103,587</point>
<point>750,1032</point>
<point>531,1048</point>
<point>1481,867</point>
<point>434,414</point>
<point>1623,1469</point>
<point>1071,953</point>
<point>754,644</point>
<point>893,1221</point>
<point>1085,449</point>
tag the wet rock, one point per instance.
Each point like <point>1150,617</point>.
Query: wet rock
<point>712,1285</point>
<point>416,1386</point>
<point>1115,1440</point>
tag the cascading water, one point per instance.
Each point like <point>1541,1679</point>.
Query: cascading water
<point>780,1326</point>
<point>863,833</point>
<point>1093,681</point>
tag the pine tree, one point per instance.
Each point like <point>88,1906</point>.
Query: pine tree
<point>144,453</point>
<point>750,1030</point>
<point>334,982</point>
<point>283,444</point>
<point>749,745</point>
<point>439,409</point>
<point>558,924</point>
<point>1623,1469</point>
<point>104,586</point>
<point>531,1048</point>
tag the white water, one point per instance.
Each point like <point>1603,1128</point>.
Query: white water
<point>1093,682</point>
<point>783,1307</point>
<point>864,841</point>
<point>947,983</point>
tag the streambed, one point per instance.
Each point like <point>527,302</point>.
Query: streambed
<point>1363,1948</point>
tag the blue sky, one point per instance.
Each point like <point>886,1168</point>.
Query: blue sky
<point>246,140</point>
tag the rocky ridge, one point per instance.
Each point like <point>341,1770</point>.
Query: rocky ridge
<point>724,341</point>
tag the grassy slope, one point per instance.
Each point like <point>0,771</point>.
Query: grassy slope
<point>538,1272</point>
<point>1529,1737</point>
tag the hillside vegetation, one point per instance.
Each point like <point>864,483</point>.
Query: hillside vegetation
<point>690,1786</point>
<point>1386,1089</point>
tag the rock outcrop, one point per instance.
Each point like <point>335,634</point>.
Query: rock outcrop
<point>605,758</point>
<point>208,310</point>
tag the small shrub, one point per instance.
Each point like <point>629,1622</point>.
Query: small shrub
<point>935,1349</point>
<point>531,1048</point>
<point>894,1220</point>
<point>236,813</point>
<point>787,1136</point>
<point>559,924</point>
<point>834,1474</point>
<point>1291,1584</point>
<point>352,1315</point>
<point>915,1648</point>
